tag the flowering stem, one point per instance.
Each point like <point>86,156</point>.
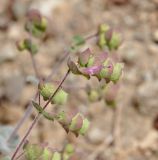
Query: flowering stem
<point>37,117</point>
<point>54,70</point>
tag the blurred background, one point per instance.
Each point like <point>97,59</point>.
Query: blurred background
<point>136,123</point>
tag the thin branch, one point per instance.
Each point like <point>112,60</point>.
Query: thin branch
<point>37,117</point>
<point>34,66</point>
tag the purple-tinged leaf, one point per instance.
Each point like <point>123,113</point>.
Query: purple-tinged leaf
<point>100,59</point>
<point>94,70</point>
<point>84,57</point>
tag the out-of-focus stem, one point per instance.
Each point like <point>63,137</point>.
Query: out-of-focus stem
<point>22,120</point>
<point>35,66</point>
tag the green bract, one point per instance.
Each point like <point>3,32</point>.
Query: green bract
<point>79,124</point>
<point>115,41</point>
<point>108,37</point>
<point>76,122</point>
<point>116,72</point>
<point>86,58</point>
<point>85,127</point>
<point>47,91</point>
<point>103,28</point>
<point>60,97</point>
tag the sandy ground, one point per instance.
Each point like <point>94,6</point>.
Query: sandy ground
<point>137,103</point>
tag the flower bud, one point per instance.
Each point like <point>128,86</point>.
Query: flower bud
<point>30,46</point>
<point>113,38</point>
<point>47,90</point>
<point>117,71</point>
<point>106,70</point>
<point>60,98</point>
<point>103,28</point>
<point>79,125</point>
<point>85,127</point>
<point>85,58</point>
<point>76,123</point>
